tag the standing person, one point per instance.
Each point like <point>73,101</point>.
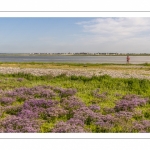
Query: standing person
<point>128,59</point>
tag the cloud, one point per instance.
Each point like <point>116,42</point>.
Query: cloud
<point>116,34</point>
<point>116,29</point>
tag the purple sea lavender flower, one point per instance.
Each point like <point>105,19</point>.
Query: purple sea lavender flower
<point>75,121</point>
<point>138,127</point>
<point>28,114</point>
<point>130,103</point>
<point>143,125</point>
<point>102,126</point>
<point>6,100</point>
<point>108,118</point>
<point>67,92</point>
<point>22,90</point>
<point>13,110</point>
<point>72,103</point>
<point>47,94</point>
<point>63,127</point>
<point>85,114</point>
<point>38,103</point>
<point>124,115</point>
<point>146,123</point>
<point>94,107</point>
<point>15,124</point>
<point>53,112</point>
<point>124,105</point>
<point>12,93</point>
<point>130,96</point>
<point>57,89</point>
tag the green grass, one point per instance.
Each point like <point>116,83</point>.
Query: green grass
<point>116,88</point>
<point>84,85</point>
<point>69,64</point>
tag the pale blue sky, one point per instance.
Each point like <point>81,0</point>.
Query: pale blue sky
<point>49,35</point>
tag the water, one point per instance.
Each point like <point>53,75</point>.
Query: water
<point>76,59</point>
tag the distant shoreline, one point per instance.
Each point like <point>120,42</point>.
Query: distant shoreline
<point>59,54</point>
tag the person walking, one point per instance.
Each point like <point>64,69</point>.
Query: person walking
<point>128,59</point>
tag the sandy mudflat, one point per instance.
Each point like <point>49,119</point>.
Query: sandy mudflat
<point>121,72</point>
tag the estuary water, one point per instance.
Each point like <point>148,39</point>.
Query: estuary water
<point>76,59</point>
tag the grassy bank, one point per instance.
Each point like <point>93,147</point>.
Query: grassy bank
<point>78,66</point>
<point>65,65</point>
<point>111,97</point>
<point>53,65</point>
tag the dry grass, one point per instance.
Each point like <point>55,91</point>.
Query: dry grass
<point>74,66</point>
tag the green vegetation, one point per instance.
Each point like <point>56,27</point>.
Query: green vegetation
<point>84,85</point>
<point>51,64</point>
<point>104,91</point>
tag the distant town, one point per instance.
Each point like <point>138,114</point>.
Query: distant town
<point>92,54</point>
<point>81,54</point>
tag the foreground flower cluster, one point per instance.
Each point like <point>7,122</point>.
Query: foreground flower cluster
<point>31,109</point>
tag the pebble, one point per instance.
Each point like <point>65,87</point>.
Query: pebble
<point>119,73</point>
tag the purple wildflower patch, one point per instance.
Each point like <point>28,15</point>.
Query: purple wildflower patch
<point>129,102</point>
<point>63,127</point>
<point>6,100</point>
<point>15,124</point>
<point>58,110</point>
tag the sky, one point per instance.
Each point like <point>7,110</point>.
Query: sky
<point>64,35</point>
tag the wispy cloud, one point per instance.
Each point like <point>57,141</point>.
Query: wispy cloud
<point>114,29</point>
<point>116,34</point>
